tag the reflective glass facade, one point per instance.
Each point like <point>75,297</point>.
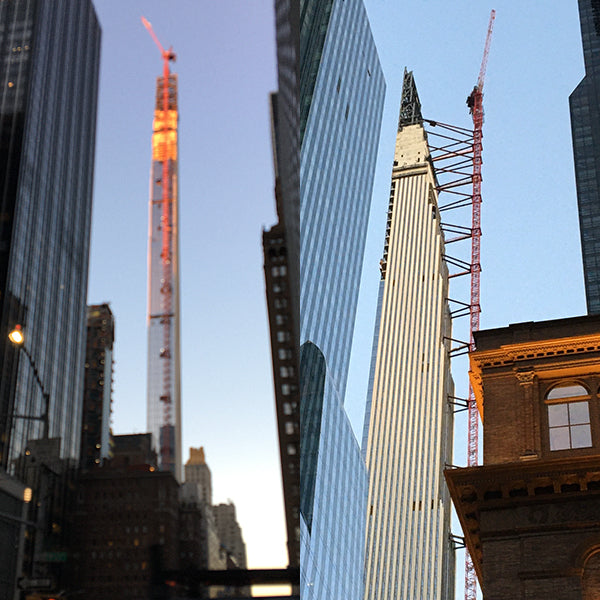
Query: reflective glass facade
<point>343,117</point>
<point>49,52</point>
<point>584,105</point>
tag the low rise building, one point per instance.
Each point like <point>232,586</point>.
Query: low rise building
<point>530,512</point>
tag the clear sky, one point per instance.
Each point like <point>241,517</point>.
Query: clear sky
<point>530,246</point>
<point>226,66</point>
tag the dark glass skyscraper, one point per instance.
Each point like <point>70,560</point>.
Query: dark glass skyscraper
<point>584,104</point>
<point>49,64</point>
<point>341,101</point>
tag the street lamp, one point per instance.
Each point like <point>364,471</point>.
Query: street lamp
<point>17,337</point>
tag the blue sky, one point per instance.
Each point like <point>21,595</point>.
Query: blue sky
<point>530,245</point>
<point>226,67</point>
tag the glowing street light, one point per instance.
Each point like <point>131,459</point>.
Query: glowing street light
<point>16,335</point>
<point>18,339</point>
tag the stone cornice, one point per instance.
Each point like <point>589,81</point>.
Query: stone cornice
<point>544,352</point>
<point>497,487</point>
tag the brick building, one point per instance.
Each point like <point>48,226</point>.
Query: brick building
<point>530,514</point>
<point>120,514</point>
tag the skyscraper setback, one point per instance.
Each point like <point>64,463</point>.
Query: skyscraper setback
<point>408,424</point>
<point>341,101</point>
<point>585,125</point>
<point>164,390</point>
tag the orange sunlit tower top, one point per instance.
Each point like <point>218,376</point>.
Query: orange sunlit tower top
<point>164,395</point>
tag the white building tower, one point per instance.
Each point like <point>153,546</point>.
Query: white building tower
<point>408,422</point>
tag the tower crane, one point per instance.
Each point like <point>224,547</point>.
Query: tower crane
<point>475,104</point>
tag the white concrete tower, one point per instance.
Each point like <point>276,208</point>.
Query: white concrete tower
<point>408,422</point>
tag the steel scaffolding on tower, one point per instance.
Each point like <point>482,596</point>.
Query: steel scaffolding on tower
<point>164,404</point>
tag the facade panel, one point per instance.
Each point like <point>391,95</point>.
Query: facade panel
<point>342,105</point>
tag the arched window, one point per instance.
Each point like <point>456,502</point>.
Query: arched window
<point>569,417</point>
<point>590,582</point>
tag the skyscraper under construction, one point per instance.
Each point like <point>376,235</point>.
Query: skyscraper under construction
<point>164,395</point>
<point>408,425</point>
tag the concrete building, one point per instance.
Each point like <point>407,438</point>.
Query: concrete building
<point>230,533</point>
<point>530,512</point>
<point>96,434</point>
<point>199,538</point>
<point>341,101</point>
<point>408,424</point>
<point>585,125</point>
<point>197,471</point>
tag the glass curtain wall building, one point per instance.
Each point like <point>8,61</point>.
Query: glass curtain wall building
<point>341,101</point>
<point>49,52</point>
<point>408,425</point>
<point>584,105</point>
<point>49,57</point>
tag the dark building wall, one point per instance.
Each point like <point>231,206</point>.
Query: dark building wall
<point>120,514</point>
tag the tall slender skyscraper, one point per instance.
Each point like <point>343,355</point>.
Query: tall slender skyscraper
<point>164,395</point>
<point>408,423</point>
<point>49,56</point>
<point>341,100</point>
<point>584,105</point>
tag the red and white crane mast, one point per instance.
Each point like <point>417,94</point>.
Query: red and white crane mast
<point>475,103</point>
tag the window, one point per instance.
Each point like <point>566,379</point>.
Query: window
<point>569,417</point>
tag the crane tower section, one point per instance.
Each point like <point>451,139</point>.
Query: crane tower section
<point>164,402</point>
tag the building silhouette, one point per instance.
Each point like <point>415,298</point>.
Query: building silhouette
<point>585,129</point>
<point>96,434</point>
<point>230,533</point>
<point>164,347</point>
<point>530,512</point>
<point>341,100</point>
<point>49,53</point>
<point>408,425</point>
